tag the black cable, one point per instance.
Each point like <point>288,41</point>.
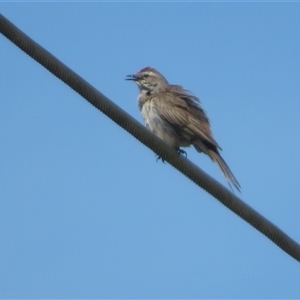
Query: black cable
<point>123,119</point>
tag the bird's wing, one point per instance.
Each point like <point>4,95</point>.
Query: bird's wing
<point>172,109</point>
<point>186,116</point>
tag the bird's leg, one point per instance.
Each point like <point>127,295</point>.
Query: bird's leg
<point>159,157</point>
<point>180,151</point>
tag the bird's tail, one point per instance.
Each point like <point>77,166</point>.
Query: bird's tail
<point>217,158</point>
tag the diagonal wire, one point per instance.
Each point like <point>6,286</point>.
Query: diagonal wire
<point>119,116</point>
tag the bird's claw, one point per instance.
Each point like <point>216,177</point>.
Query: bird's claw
<point>180,151</point>
<point>159,157</point>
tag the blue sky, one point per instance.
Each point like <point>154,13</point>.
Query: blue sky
<point>85,209</point>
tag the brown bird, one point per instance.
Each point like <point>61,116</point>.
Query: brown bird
<point>175,115</point>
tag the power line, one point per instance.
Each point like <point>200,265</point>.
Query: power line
<point>119,116</point>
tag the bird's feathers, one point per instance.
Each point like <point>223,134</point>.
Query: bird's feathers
<point>217,158</point>
<point>185,114</point>
<point>175,115</point>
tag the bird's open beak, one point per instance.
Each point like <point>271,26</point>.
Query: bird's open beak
<point>131,77</point>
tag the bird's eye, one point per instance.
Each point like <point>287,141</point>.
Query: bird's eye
<point>146,75</point>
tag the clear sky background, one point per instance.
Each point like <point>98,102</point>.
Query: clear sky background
<point>85,209</point>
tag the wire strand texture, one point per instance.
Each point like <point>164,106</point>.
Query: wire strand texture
<point>123,119</point>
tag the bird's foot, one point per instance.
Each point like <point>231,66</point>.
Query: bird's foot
<point>180,151</point>
<point>159,157</point>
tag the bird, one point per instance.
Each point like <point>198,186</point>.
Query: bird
<point>175,115</point>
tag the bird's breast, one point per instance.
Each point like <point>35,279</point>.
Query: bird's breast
<point>150,115</point>
<point>160,126</point>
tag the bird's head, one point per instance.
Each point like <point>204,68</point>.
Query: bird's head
<point>149,80</point>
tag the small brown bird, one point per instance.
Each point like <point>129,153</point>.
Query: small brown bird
<point>174,115</point>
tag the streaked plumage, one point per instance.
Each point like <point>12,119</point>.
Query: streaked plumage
<point>176,116</point>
